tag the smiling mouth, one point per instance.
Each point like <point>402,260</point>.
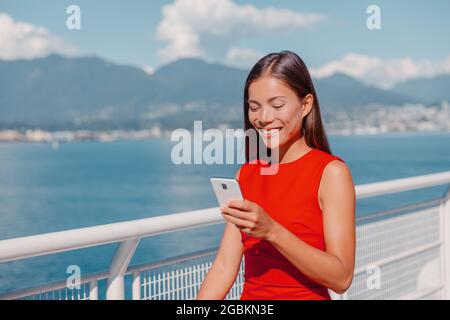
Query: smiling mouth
<point>270,133</point>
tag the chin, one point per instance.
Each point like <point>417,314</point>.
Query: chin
<point>272,144</point>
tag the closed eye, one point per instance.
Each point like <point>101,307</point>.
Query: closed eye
<point>278,107</point>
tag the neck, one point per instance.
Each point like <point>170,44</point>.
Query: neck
<point>292,150</point>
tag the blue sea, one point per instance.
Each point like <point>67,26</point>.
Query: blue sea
<point>81,184</point>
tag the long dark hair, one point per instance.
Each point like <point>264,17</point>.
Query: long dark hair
<point>290,68</point>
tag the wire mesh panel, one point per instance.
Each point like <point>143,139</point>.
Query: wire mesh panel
<point>398,257</point>
<point>182,280</point>
<point>62,294</point>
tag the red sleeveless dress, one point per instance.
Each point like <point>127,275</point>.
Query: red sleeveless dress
<point>290,197</point>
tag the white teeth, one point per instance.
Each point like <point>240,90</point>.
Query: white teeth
<point>270,133</point>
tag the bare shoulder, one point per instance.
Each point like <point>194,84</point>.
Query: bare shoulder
<point>336,169</point>
<point>336,178</point>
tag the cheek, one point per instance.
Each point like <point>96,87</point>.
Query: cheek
<point>293,118</point>
<point>252,117</point>
<point>298,116</point>
<point>293,121</point>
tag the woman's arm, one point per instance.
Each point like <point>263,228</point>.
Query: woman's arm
<point>334,267</point>
<point>222,274</point>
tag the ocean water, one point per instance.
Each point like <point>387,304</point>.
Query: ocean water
<point>82,184</point>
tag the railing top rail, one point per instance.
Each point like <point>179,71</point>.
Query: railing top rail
<point>31,246</point>
<point>403,184</point>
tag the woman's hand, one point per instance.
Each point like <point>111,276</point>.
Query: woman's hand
<point>250,218</point>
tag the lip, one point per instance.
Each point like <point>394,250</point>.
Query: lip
<point>270,128</point>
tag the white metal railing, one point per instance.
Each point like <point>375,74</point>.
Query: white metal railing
<point>400,249</point>
<point>409,247</point>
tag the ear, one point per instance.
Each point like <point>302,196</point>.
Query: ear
<point>307,104</point>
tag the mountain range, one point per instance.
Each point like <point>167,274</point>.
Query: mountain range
<point>57,92</point>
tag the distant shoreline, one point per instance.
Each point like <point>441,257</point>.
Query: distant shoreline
<point>67,136</point>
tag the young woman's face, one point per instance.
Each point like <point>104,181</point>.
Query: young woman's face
<point>275,111</point>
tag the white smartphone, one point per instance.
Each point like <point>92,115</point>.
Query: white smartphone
<point>226,189</point>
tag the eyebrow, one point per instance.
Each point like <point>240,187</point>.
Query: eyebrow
<point>270,100</point>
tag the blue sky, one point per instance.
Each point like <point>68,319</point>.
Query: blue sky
<point>412,41</point>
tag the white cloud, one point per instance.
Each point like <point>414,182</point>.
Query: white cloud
<point>242,57</point>
<point>186,24</point>
<point>22,40</point>
<point>383,73</point>
<point>148,69</point>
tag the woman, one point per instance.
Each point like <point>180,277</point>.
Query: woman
<point>295,228</point>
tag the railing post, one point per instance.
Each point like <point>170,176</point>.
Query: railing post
<point>119,264</point>
<point>445,229</point>
<point>93,290</point>
<point>136,286</point>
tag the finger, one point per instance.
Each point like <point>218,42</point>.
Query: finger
<point>243,205</point>
<point>246,230</point>
<point>238,222</point>
<point>244,215</point>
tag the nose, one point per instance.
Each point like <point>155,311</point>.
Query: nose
<point>265,116</point>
